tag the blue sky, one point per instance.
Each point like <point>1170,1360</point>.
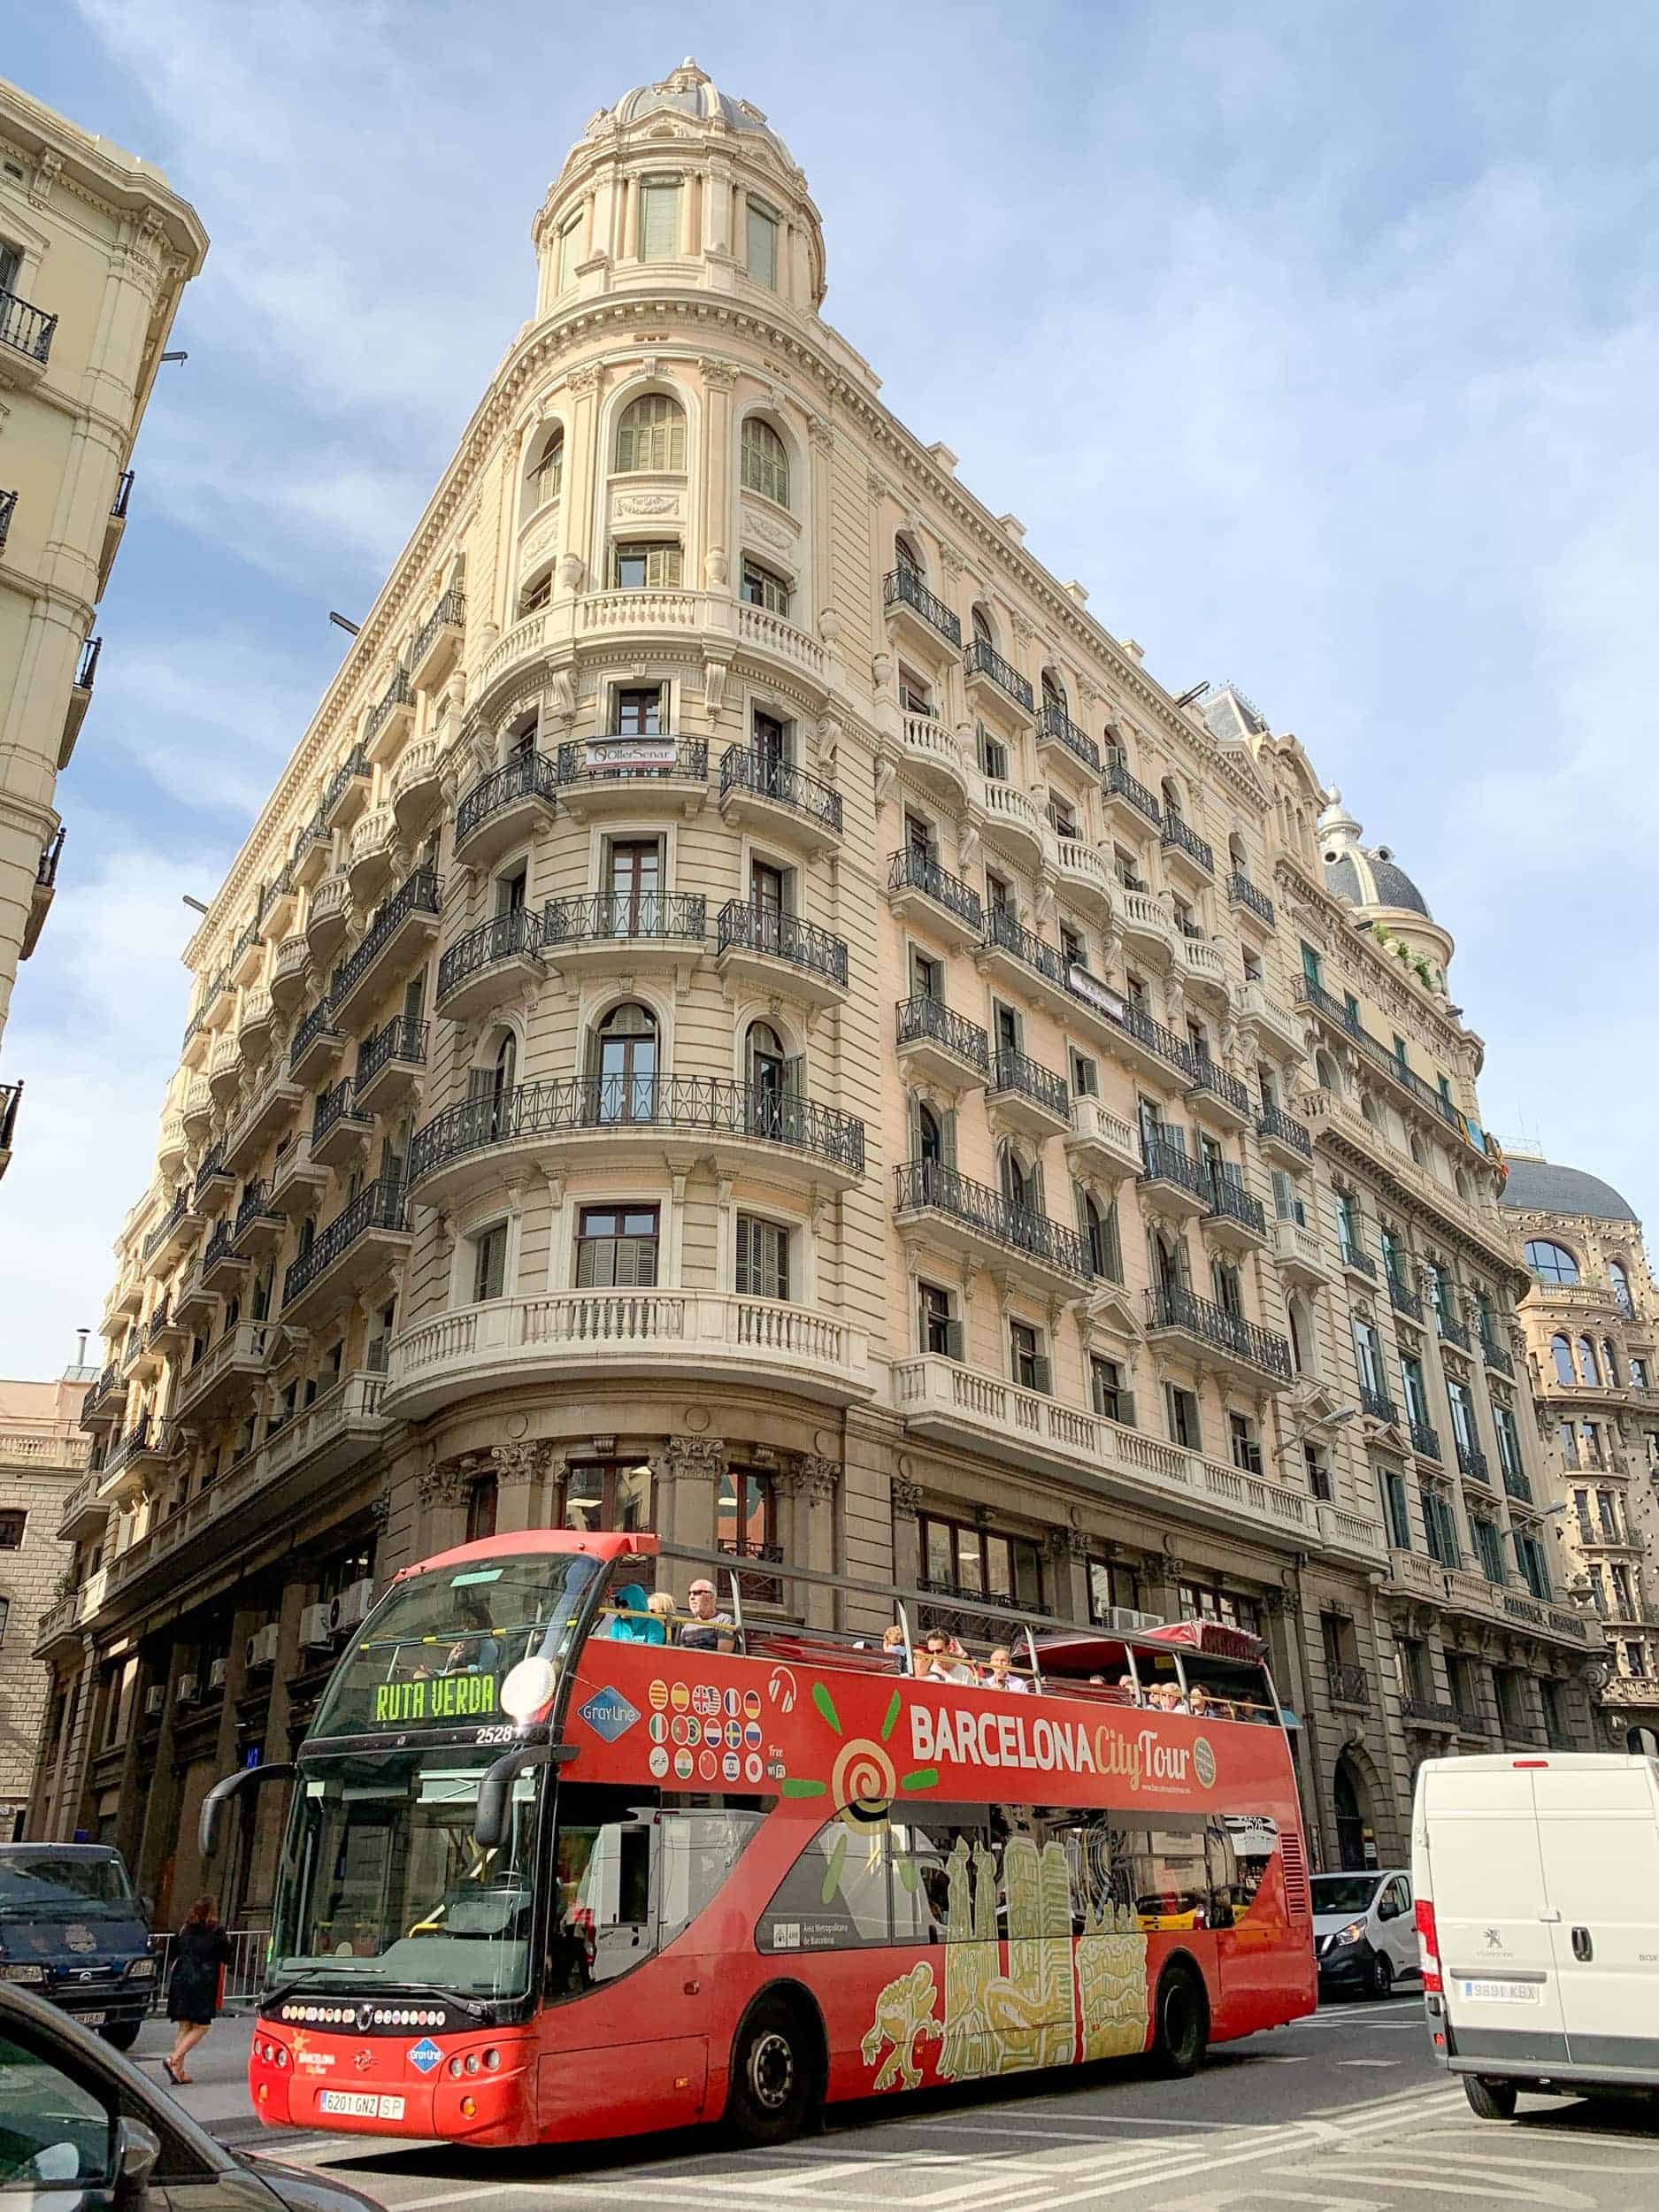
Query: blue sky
<point>1319,342</point>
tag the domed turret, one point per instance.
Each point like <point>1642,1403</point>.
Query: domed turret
<point>679,184</point>
<point>1369,878</point>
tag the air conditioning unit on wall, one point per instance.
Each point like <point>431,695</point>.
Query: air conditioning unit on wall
<point>262,1646</point>
<point>355,1603</point>
<point>316,1627</point>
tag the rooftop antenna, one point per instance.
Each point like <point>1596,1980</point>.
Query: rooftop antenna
<point>80,1354</point>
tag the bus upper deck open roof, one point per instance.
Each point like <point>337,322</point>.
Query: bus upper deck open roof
<point>1077,1651</point>
<point>604,1545</point>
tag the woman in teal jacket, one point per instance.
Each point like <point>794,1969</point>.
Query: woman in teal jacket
<point>629,1623</point>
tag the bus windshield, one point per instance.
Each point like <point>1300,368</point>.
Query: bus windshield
<point>437,1651</point>
<point>381,1882</point>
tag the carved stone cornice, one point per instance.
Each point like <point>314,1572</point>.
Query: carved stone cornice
<point>695,1458</point>
<point>820,1478</point>
<point>907,1496</point>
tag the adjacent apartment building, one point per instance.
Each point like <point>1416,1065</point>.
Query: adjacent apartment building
<point>750,1013</point>
<point>43,1456</point>
<point>1591,1317</point>
<point>95,252</point>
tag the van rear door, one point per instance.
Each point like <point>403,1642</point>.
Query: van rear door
<point>1491,1907</point>
<point>1598,1829</point>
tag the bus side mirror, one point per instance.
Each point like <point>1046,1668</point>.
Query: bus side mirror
<point>492,1814</point>
<point>210,1825</point>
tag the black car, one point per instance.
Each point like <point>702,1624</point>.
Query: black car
<point>72,1930</point>
<point>82,2130</point>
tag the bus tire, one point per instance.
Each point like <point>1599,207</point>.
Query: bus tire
<point>1489,2100</point>
<point>1181,2021</point>
<point>776,2071</point>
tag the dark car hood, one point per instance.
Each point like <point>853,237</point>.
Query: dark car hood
<point>306,2188</point>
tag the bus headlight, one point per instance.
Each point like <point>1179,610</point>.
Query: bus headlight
<point>492,2059</point>
<point>471,2061</point>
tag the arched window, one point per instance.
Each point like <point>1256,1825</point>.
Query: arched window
<point>1301,1336</point>
<point>1053,692</point>
<point>771,1081</point>
<point>651,434</point>
<point>906,557</point>
<point>547,476</point>
<point>982,622</point>
<point>1100,1237</point>
<point>625,1065</point>
<point>1561,1351</point>
<point>930,1141</point>
<point>491,1081</point>
<point>1371,1109</point>
<point>1324,1068</point>
<point>1609,1364</point>
<point>1621,1287</point>
<point>1419,1151</point>
<point>1172,798</point>
<point>765,461</point>
<point>1586,1362</point>
<point>1019,1182</point>
<point>1235,853</point>
<point>1551,1262</point>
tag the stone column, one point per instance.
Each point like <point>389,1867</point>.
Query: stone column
<point>521,1470</point>
<point>271,1804</point>
<point>129,1819</point>
<point>585,478</point>
<point>818,1519</point>
<point>822,441</point>
<point>443,1490</point>
<point>689,1471</point>
<point>718,529</point>
<point>1068,1561</point>
<point>158,1838</point>
<point>907,1539</point>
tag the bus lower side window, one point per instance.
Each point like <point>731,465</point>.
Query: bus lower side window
<point>835,1897</point>
<point>1170,1877</point>
<point>602,1918</point>
<point>698,1848</point>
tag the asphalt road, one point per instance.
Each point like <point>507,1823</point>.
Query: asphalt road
<point>1346,2112</point>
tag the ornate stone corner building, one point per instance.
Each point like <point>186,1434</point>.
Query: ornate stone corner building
<point>750,1013</point>
<point>1591,1324</point>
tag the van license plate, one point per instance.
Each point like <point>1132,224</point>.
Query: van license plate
<point>360,2106</point>
<point>1491,1993</point>
<point>92,2019</point>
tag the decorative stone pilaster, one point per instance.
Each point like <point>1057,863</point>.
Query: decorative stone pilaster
<point>520,1469</point>
<point>690,1470</point>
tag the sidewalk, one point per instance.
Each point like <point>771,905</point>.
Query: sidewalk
<point>217,2092</point>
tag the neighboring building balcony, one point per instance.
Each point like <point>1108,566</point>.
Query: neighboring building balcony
<point>911,607</point>
<point>398,935</point>
<point>506,808</point>
<point>171,1234</point>
<point>920,891</point>
<point>1626,1690</point>
<point>391,719</point>
<point>1199,963</point>
<point>776,951</point>
<point>1432,1715</point>
<point>965,1410</point>
<point>61,1625</point>
<point>246,956</point>
<point>1175,1184</point>
<point>328,918</point>
<point>363,1241</point>
<point>290,970</point>
<point>1356,1262</point>
<point>1297,1247</point>
<point>1149,926</point>
<point>215,1183</point>
<point>1010,820</point>
<point>491,965</point>
<point>340,1129</point>
<point>165,1336</point>
<point>1101,1143</point>
<point>989,677</point>
<point>1347,1685</point>
<point>1403,1300</point>
<point>940,1045</point>
<point>346,793</point>
<point>223,1267</point>
<point>135,1461</point>
<point>170,1145</point>
<point>1235,1219</point>
<point>934,756</point>
<point>255,1020</point>
<point>1085,878</point>
<point>1185,851</point>
<point>312,855</point>
<point>193,1044</point>
<point>1054,726</point>
<point>1022,1094</point>
<point>41,896</point>
<point>1471,1461</point>
<point>1377,1405</point>
<point>1495,1356</point>
<point>1275,1029</point>
<point>1284,1141</point>
<point>195,1307</point>
<point>84,1513</point>
<point>224,1070</point>
<point>390,1064</point>
<point>1130,807</point>
<point>225,1371</point>
<point>1517,1486</point>
<point>438,641</point>
<point>1014,954</point>
<point>417,787</point>
<point>369,854</point>
<point>973,1222</point>
<point>277,1098</point>
<point>278,904</point>
<point>1425,1441</point>
<point>745,1128</point>
<point>1242,893</point>
<point>701,1339</point>
<point>196,1113</point>
<point>616,933</point>
<point>25,340</point>
<point>104,1403</point>
<point>260,1225</point>
<point>317,1044</point>
<point>297,1181</point>
<point>1213,1337</point>
<point>1450,1330</point>
<point>619,775</point>
<point>781,800</point>
<point>1218,1096</point>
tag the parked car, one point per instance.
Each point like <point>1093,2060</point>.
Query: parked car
<point>82,2130</point>
<point>72,1930</point>
<point>1364,1937</point>
<point>1538,1914</point>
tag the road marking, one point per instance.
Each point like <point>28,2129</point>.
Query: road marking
<point>1401,2173</point>
<point>1368,2061</point>
<point>1099,2119</point>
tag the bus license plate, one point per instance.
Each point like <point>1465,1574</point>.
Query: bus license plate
<point>360,2106</point>
<point>1495,1992</point>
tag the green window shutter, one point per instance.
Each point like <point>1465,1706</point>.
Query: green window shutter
<point>659,221</point>
<point>763,247</point>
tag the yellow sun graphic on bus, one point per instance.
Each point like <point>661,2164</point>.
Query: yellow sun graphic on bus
<point>863,1780</point>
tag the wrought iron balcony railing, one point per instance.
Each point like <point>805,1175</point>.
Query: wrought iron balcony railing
<point>1186,839</point>
<point>912,870</point>
<point>165,1226</point>
<point>1378,1403</point>
<point>256,1206</point>
<point>87,668</point>
<point>1518,1486</point>
<point>316,1024</point>
<point>1402,1299</point>
<point>404,1038</point>
<point>904,584</point>
<point>744,769</point>
<point>1448,1326</point>
<point>1349,1685</point>
<point>1472,1461</point>
<point>1153,1034</point>
<point>1117,782</point>
<point>46,870</point>
<point>379,1205</point>
<point>333,1105</point>
<point>1003,930</point>
<point>397,694</point>
<point>684,1102</point>
<point>1056,723</point>
<point>27,328</point>
<point>279,887</point>
<point>923,1016</point>
<point>1014,1072</point>
<point>981,659</point>
<point>8,507</point>
<point>1228,1196</point>
<point>527,775</point>
<point>1495,1355</point>
<point>1425,1438</point>
<point>500,938</point>
<point>1208,1075</point>
<point>677,917</point>
<point>355,764</point>
<point>417,894</point>
<point>1175,1307</point>
<point>768,929</point>
<point>123,494</point>
<point>1244,893</point>
<point>930,1184</point>
<point>450,609</point>
<point>1435,1709</point>
<point>1166,1162</point>
<point>1274,1123</point>
<point>1362,1263</point>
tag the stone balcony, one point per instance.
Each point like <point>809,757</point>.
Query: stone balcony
<point>1085,878</point>
<point>225,1370</point>
<point>369,854</point>
<point>960,1406</point>
<point>1277,1030</point>
<point>933,754</point>
<point>1100,1142</point>
<point>398,935</point>
<point>84,1512</point>
<point>1009,820</point>
<point>326,917</point>
<point>1301,1256</point>
<point>695,1338</point>
<point>290,973</point>
<point>1414,1575</point>
<point>1147,925</point>
<point>417,787</point>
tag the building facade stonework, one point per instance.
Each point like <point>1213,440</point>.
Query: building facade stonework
<point>95,252</point>
<point>1591,1319</point>
<point>750,1013</point>
<point>43,1457</point>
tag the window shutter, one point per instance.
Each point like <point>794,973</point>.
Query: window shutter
<point>794,1077</point>
<point>953,1339</point>
<point>1042,1376</point>
<point>763,247</point>
<point>947,1137</point>
<point>745,1265</point>
<point>659,221</point>
<point>587,1266</point>
<point>1125,1413</point>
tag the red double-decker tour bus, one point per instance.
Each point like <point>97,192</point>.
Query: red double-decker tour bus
<point>543,1880</point>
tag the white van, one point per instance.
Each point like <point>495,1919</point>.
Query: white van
<point>1537,1884</point>
<point>1364,1936</point>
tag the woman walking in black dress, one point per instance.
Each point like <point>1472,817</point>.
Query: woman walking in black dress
<point>199,1959</point>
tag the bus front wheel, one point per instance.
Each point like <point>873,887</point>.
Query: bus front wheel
<point>775,2064</point>
<point>1182,2021</point>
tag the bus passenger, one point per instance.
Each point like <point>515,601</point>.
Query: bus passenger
<point>1130,1687</point>
<point>938,1662</point>
<point>627,1621</point>
<point>660,1605</point>
<point>1002,1676</point>
<point>478,1650</point>
<point>706,1630</point>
